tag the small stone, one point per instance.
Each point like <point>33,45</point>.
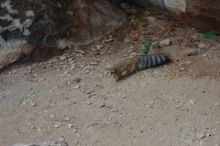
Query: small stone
<point>200,135</point>
<point>33,103</point>
<point>165,42</point>
<point>215,103</point>
<point>79,55</point>
<point>77,86</point>
<point>208,134</point>
<point>63,57</point>
<point>191,52</point>
<point>80,51</point>
<point>77,80</point>
<point>77,142</point>
<point>127,40</point>
<point>192,102</point>
<point>108,40</point>
<point>87,70</point>
<point>68,82</point>
<point>189,62</point>
<point>59,142</point>
<point>39,129</point>
<point>67,118</point>
<point>74,130</point>
<point>73,66</point>
<point>203,90</point>
<point>41,79</point>
<point>57,125</point>
<point>102,105</point>
<point>70,125</point>
<point>99,46</point>
<point>182,69</point>
<point>203,45</point>
<point>81,66</point>
<point>93,63</point>
<point>52,116</point>
<point>88,102</point>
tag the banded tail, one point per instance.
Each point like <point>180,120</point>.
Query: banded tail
<point>146,61</point>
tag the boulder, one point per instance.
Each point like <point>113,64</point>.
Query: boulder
<point>52,24</point>
<point>201,14</point>
<point>13,51</point>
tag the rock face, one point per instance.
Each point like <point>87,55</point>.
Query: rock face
<point>201,14</point>
<point>45,20</point>
<point>95,17</point>
<point>13,51</point>
<point>46,23</point>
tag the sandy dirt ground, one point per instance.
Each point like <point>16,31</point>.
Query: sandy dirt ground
<point>73,96</point>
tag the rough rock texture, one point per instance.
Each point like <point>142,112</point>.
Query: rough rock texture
<point>204,14</point>
<point>46,20</point>
<point>45,23</point>
<point>13,51</point>
<point>201,14</point>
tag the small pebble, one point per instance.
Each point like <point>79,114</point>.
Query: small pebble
<point>87,70</point>
<point>188,62</point>
<point>77,80</point>
<point>33,103</point>
<point>108,40</point>
<point>165,42</point>
<point>67,118</point>
<point>88,102</point>
<point>208,134</point>
<point>192,102</point>
<point>216,104</point>
<point>133,54</point>
<point>57,125</point>
<point>102,105</point>
<point>203,45</point>
<point>70,125</point>
<point>182,69</point>
<point>76,86</point>
<point>200,135</point>
<point>68,82</point>
<point>93,63</point>
<point>73,66</point>
<point>80,51</point>
<point>63,57</point>
<point>99,47</point>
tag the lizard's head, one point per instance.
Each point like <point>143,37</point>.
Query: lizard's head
<point>114,71</point>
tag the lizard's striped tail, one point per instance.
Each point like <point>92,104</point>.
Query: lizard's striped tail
<point>147,61</point>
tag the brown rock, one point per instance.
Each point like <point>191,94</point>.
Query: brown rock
<point>14,51</point>
<point>201,14</point>
<point>79,20</point>
<point>203,45</point>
